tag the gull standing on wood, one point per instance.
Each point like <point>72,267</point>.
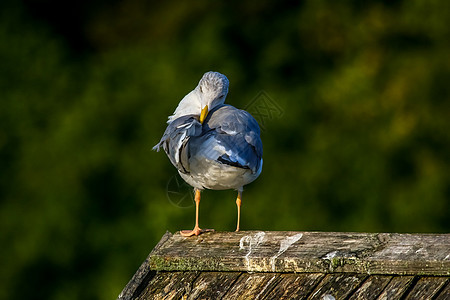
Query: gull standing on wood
<point>213,145</point>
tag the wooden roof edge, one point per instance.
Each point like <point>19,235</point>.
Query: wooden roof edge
<point>296,252</point>
<point>305,252</point>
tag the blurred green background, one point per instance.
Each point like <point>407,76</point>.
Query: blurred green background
<point>359,142</point>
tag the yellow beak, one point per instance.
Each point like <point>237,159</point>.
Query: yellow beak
<point>204,114</point>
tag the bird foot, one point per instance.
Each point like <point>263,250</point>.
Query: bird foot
<point>196,231</point>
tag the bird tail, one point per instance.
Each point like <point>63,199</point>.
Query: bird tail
<point>157,147</point>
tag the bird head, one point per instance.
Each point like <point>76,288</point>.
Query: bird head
<point>212,89</point>
<point>210,92</point>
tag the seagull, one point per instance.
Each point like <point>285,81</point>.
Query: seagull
<point>213,145</point>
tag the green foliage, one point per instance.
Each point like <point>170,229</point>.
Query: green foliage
<point>361,144</point>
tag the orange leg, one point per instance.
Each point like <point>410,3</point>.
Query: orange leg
<point>238,204</point>
<point>197,230</point>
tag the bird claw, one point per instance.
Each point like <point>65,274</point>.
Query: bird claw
<point>195,231</point>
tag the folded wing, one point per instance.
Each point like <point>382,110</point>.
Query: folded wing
<point>231,136</point>
<point>175,140</point>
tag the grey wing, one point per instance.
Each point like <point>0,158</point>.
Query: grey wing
<point>239,135</point>
<point>176,138</point>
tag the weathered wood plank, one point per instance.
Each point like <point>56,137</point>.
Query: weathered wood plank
<point>253,286</point>
<point>396,287</point>
<point>312,252</point>
<point>169,285</point>
<point>371,288</point>
<point>212,285</point>
<point>294,286</point>
<point>338,286</point>
<point>426,288</point>
<point>444,294</point>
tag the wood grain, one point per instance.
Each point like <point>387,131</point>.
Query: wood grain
<point>294,286</point>
<point>396,288</point>
<point>253,286</point>
<point>426,287</point>
<point>311,252</point>
<point>371,288</point>
<point>444,294</point>
<point>213,285</point>
<point>337,286</point>
<point>169,285</point>
<point>295,265</point>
